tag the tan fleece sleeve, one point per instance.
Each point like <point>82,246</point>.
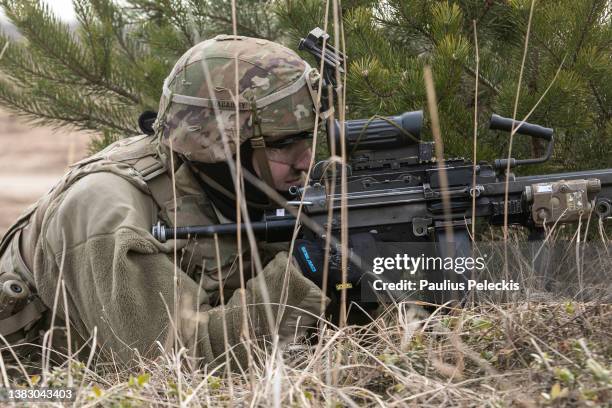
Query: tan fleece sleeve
<point>121,280</point>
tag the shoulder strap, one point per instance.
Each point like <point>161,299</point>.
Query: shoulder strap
<point>160,187</point>
<point>17,225</point>
<point>30,313</point>
<point>143,156</point>
<point>152,169</point>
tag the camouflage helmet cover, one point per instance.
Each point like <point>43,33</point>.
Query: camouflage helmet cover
<point>194,113</point>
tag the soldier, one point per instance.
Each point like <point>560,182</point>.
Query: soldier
<point>92,230</point>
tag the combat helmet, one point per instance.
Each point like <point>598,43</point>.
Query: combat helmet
<point>276,98</point>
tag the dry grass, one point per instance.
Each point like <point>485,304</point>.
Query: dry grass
<point>520,354</point>
<point>551,352</point>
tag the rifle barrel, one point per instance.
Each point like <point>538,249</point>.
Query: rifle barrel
<point>270,231</point>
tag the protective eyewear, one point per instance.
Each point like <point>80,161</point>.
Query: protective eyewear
<point>289,150</point>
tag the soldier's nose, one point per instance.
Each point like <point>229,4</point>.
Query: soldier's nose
<point>303,161</point>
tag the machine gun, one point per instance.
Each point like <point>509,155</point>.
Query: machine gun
<point>394,189</point>
<point>394,192</point>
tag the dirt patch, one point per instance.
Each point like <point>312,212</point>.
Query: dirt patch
<point>32,160</point>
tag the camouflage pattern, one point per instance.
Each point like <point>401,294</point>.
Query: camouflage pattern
<point>263,69</point>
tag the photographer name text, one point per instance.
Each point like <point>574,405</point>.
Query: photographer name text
<point>424,284</point>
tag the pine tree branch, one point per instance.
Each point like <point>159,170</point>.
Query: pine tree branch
<point>83,73</point>
<point>602,106</point>
<point>181,23</point>
<point>547,48</point>
<point>484,81</point>
<point>585,29</point>
<point>487,8</point>
<point>65,104</point>
<point>35,34</point>
<point>375,91</point>
<point>116,20</point>
<point>82,122</point>
<point>583,34</point>
<point>25,69</point>
<point>241,27</point>
<point>129,52</point>
<point>35,74</point>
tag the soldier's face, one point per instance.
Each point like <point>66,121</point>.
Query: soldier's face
<point>288,164</point>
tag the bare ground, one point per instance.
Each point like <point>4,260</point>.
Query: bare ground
<point>32,159</point>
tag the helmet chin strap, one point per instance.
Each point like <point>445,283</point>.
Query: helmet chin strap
<point>259,148</point>
<point>261,158</point>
